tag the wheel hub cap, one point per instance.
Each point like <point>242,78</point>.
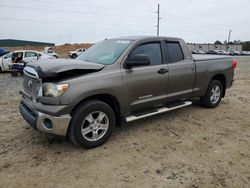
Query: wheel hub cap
<point>215,94</point>
<point>95,125</point>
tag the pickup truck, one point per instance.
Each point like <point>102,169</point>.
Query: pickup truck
<point>50,51</point>
<point>76,53</point>
<point>117,81</point>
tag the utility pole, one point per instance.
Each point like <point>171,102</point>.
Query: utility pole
<point>229,36</point>
<point>158,20</point>
<point>228,40</point>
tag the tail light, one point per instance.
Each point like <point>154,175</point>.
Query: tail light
<point>234,63</point>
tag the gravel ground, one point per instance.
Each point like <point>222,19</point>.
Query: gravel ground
<point>190,147</point>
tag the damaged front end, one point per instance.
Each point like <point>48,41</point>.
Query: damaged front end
<point>43,84</point>
<point>58,69</point>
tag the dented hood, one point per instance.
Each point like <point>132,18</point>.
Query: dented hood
<point>52,67</point>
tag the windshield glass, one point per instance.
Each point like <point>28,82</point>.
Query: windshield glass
<point>105,52</point>
<point>8,55</point>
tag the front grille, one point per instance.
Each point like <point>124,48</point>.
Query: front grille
<point>31,86</point>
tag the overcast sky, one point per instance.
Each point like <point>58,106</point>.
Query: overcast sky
<point>75,21</point>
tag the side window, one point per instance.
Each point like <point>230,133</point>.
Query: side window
<point>30,54</point>
<point>153,50</point>
<point>17,57</point>
<point>50,50</point>
<point>174,52</point>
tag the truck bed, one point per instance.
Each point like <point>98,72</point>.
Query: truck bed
<point>210,57</point>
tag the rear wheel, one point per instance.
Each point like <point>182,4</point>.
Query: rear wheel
<point>92,124</point>
<point>213,94</point>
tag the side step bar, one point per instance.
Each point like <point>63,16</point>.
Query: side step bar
<point>157,111</point>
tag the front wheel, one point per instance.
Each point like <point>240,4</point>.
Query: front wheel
<point>74,56</point>
<point>92,124</point>
<point>14,73</point>
<point>213,94</point>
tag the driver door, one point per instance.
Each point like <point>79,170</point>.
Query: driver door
<point>146,86</point>
<point>6,62</point>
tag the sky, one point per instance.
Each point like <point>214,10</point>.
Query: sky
<point>77,21</point>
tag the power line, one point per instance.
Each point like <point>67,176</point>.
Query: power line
<point>103,25</point>
<point>73,11</point>
<point>92,6</point>
<point>179,18</point>
<point>70,22</point>
<point>204,22</point>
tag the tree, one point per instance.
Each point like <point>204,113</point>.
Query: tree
<point>246,46</point>
<point>217,42</point>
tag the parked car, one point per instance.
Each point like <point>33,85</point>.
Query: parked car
<point>20,56</point>
<point>244,53</point>
<point>222,52</point>
<point>119,80</point>
<point>214,52</point>
<point>198,52</point>
<point>76,53</point>
<point>234,52</point>
<point>50,51</point>
<point>3,52</point>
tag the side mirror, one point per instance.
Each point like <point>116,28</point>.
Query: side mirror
<point>137,60</point>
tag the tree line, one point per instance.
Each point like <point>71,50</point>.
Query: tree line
<point>245,44</point>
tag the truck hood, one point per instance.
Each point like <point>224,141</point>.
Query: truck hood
<point>48,68</point>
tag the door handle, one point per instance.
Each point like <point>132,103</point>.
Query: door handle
<point>162,71</point>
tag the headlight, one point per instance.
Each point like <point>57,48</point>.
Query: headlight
<point>54,90</point>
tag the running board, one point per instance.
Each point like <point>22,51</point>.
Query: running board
<point>157,111</point>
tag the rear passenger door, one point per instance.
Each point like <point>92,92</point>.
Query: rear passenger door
<point>146,86</point>
<point>30,56</point>
<point>181,71</point>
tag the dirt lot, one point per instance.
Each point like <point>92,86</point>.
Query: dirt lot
<point>190,147</point>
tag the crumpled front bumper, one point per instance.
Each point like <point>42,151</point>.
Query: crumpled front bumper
<point>43,122</point>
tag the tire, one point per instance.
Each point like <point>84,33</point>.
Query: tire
<point>213,94</point>
<point>96,133</point>
<point>14,73</point>
<point>74,56</point>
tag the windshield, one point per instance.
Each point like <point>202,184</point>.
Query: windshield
<point>8,55</point>
<point>105,52</point>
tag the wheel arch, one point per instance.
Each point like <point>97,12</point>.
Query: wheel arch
<point>222,79</point>
<point>109,99</point>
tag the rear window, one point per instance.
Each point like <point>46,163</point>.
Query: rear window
<point>174,52</point>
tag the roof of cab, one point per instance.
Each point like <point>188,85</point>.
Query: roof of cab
<point>137,38</point>
<point>16,51</point>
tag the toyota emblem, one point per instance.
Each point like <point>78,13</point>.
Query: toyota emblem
<point>30,83</point>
